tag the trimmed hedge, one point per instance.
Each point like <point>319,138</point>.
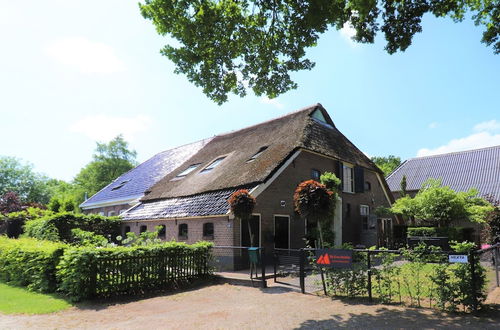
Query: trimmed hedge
<point>59,226</point>
<point>30,262</point>
<point>453,233</point>
<point>85,272</point>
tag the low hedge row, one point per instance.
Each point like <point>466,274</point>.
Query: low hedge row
<point>453,233</point>
<point>58,226</point>
<point>30,262</point>
<point>85,272</point>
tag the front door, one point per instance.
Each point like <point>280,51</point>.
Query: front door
<point>281,232</point>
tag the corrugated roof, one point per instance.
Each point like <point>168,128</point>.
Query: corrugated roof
<point>135,182</point>
<point>282,136</point>
<point>479,168</point>
<point>212,203</point>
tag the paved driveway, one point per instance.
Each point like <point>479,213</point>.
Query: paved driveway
<point>226,306</point>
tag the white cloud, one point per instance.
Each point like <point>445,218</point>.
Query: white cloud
<point>474,141</point>
<point>488,126</point>
<point>85,56</point>
<point>103,128</point>
<point>273,102</point>
<point>433,125</point>
<point>347,32</point>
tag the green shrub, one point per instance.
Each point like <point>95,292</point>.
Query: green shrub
<point>422,231</point>
<point>87,238</point>
<point>349,282</point>
<point>30,262</point>
<point>454,282</point>
<point>12,223</point>
<point>59,226</point>
<point>453,233</point>
<point>41,229</point>
<point>86,271</point>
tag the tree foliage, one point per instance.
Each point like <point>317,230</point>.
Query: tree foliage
<point>9,202</point>
<point>440,205</point>
<point>387,164</point>
<point>491,231</point>
<point>110,160</point>
<point>227,46</point>
<point>19,177</point>
<point>330,181</point>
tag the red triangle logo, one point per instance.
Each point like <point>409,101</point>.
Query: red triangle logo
<point>324,259</point>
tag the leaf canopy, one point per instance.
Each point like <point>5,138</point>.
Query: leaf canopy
<point>229,46</point>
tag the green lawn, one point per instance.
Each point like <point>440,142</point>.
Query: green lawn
<point>18,300</point>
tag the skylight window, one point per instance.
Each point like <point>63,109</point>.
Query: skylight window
<point>261,150</point>
<point>213,164</point>
<point>188,170</point>
<point>121,184</point>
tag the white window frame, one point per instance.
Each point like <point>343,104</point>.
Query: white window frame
<point>213,164</point>
<point>111,213</point>
<point>347,178</point>
<point>188,170</point>
<point>256,155</point>
<point>364,210</point>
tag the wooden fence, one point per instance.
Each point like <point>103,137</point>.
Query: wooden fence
<point>139,274</point>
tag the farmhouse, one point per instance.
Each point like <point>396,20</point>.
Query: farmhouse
<point>479,168</point>
<point>269,159</point>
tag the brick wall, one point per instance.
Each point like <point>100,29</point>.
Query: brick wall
<point>223,229</point>
<point>269,202</point>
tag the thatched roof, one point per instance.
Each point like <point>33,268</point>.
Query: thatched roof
<point>282,137</point>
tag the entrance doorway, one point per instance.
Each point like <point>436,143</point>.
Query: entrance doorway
<point>281,232</point>
<point>255,227</point>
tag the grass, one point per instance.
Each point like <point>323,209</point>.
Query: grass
<point>18,300</point>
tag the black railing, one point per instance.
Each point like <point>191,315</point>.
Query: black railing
<point>138,274</point>
<point>285,259</point>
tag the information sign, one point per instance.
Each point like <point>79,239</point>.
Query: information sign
<point>334,258</point>
<point>454,258</point>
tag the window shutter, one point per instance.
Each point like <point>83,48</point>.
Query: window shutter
<point>340,175</point>
<point>359,179</point>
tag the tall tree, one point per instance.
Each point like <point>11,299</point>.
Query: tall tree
<point>387,164</point>
<point>19,177</point>
<point>110,160</point>
<point>227,46</point>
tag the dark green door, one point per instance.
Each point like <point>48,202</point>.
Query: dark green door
<point>281,232</point>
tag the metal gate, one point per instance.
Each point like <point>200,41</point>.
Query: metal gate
<point>294,268</point>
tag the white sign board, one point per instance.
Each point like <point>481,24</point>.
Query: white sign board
<point>463,259</point>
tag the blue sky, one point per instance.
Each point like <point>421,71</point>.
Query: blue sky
<point>75,72</point>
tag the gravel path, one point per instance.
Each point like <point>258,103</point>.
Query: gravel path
<point>225,306</point>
